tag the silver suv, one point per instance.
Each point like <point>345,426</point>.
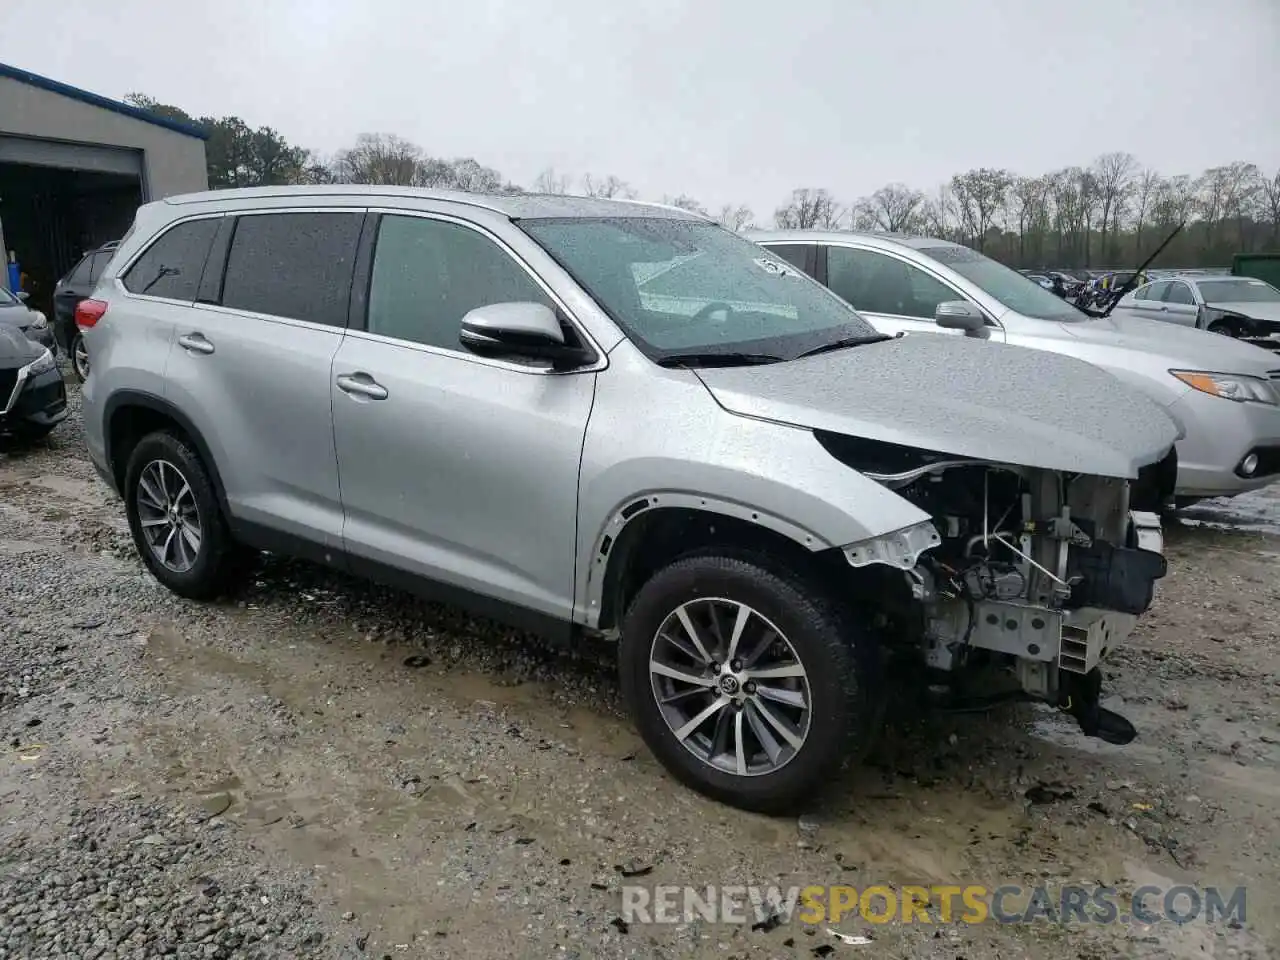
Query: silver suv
<point>618,420</point>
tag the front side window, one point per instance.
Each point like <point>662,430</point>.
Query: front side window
<point>171,266</point>
<point>1238,290</point>
<point>678,286</point>
<point>1004,284</point>
<point>427,275</point>
<point>1179,293</point>
<point>295,265</point>
<point>1156,291</point>
<point>877,283</point>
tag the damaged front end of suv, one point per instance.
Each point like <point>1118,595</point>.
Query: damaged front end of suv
<point>1040,572</point>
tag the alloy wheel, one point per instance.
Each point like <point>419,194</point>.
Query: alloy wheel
<point>80,358</point>
<point>168,515</point>
<point>730,686</point>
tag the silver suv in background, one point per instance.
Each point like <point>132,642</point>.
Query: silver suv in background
<point>1225,394</point>
<point>621,421</point>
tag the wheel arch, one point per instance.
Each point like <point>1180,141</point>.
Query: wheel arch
<point>129,415</point>
<point>653,529</point>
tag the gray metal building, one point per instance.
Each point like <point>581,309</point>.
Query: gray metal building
<point>74,166</point>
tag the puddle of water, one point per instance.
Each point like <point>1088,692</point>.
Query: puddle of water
<point>1257,511</point>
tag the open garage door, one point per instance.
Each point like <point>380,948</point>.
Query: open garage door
<point>52,212</point>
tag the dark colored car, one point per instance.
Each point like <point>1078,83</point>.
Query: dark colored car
<point>33,398</point>
<point>70,290</point>
<point>16,315</point>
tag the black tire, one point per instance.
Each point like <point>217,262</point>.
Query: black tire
<point>839,657</point>
<point>74,345</point>
<point>210,573</point>
<point>1224,328</point>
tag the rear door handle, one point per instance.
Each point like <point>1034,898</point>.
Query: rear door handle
<point>361,385</point>
<point>195,342</point>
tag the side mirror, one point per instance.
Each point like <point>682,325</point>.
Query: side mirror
<point>529,330</point>
<point>960,315</point>
<point>23,296</point>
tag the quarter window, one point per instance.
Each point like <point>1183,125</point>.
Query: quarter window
<point>875,283</point>
<point>427,274</point>
<point>295,265</point>
<point>82,271</point>
<point>796,254</point>
<point>171,266</point>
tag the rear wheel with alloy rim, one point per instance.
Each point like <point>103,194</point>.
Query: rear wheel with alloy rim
<point>175,518</point>
<point>79,357</point>
<point>746,681</point>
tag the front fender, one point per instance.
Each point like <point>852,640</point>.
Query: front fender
<point>661,436</point>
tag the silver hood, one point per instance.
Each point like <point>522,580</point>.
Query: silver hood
<point>961,396</point>
<point>1180,346</point>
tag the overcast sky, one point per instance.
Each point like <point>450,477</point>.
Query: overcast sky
<point>725,100</point>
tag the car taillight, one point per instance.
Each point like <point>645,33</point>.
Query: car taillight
<point>89,312</point>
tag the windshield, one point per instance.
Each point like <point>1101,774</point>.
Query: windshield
<point>680,286</point>
<point>1237,290</point>
<point>1011,288</point>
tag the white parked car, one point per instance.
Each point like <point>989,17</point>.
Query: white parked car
<point>1235,306</point>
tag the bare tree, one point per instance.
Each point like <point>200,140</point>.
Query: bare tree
<point>894,208</point>
<point>1113,174</point>
<point>938,213</point>
<point>1089,205</point>
<point>550,181</point>
<point>1174,201</point>
<point>1146,187</point>
<point>606,187</point>
<point>1029,206</point>
<point>980,197</point>
<point>809,208</point>
<point>379,158</point>
<point>1271,204</point>
<point>735,218</point>
<point>1241,189</point>
<point>686,202</point>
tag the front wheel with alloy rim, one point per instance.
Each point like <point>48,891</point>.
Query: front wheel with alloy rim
<point>748,683</point>
<point>175,519</point>
<point>79,357</point>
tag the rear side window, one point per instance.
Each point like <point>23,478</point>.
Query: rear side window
<point>295,265</point>
<point>171,266</point>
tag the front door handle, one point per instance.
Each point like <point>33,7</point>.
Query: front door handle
<point>361,385</point>
<point>196,343</point>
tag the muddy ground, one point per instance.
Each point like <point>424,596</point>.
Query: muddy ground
<point>319,767</point>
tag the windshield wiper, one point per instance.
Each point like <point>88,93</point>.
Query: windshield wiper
<point>848,342</point>
<point>717,359</point>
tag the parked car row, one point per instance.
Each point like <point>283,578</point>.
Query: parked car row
<point>759,468</point>
<point>32,396</point>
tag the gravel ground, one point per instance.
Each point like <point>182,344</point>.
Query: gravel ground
<point>317,767</point>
